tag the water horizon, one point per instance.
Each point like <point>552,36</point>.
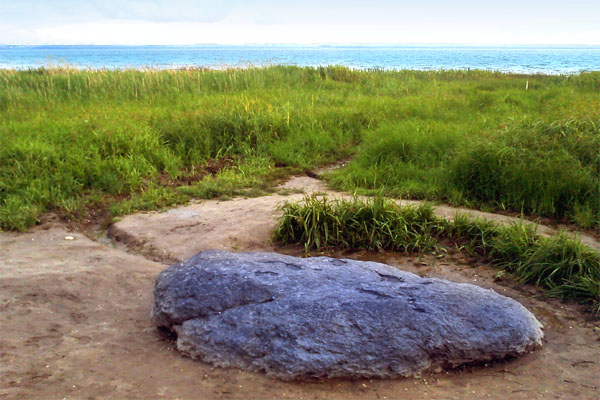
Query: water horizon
<point>526,59</point>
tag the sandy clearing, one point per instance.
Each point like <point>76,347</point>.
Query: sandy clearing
<point>181,232</point>
<point>74,319</point>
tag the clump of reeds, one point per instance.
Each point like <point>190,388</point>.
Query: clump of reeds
<point>358,224</point>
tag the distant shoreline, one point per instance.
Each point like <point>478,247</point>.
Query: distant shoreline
<point>322,45</point>
<point>547,60</point>
<point>191,68</point>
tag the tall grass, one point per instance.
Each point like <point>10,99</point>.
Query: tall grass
<point>544,169</point>
<point>72,140</point>
<point>561,264</point>
<point>378,224</point>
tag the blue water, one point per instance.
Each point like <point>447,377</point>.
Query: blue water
<point>520,59</point>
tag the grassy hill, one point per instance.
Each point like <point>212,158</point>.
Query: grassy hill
<point>81,142</point>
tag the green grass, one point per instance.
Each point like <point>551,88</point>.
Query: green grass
<point>563,265</point>
<point>72,141</point>
<point>371,225</point>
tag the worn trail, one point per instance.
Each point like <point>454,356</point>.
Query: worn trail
<point>181,232</point>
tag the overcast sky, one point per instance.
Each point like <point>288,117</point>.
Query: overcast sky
<point>307,21</point>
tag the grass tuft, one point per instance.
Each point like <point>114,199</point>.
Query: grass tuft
<point>373,224</point>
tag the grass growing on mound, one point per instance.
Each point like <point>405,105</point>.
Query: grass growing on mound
<point>72,141</point>
<point>371,225</point>
<point>563,265</point>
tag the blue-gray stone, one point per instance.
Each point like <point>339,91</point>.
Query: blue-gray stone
<point>300,318</point>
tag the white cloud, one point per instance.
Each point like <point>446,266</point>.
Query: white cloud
<point>48,12</point>
<point>309,21</point>
<point>168,10</point>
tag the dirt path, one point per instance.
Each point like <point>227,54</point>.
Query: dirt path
<point>74,318</point>
<point>244,223</point>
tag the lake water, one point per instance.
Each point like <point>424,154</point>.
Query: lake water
<point>521,59</point>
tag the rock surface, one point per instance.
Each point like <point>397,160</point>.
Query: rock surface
<point>299,318</point>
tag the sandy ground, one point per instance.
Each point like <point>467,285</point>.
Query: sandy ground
<point>242,223</point>
<point>74,317</point>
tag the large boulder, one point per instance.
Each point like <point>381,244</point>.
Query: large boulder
<point>298,318</point>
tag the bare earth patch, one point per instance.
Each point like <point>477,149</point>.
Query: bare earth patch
<point>74,317</point>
